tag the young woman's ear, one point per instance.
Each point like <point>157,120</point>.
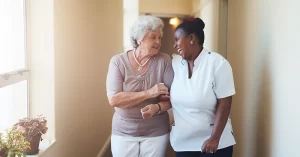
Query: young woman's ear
<point>192,39</point>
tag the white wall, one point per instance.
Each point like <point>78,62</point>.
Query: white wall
<point>284,76</point>
<point>130,14</point>
<point>40,42</point>
<point>262,49</point>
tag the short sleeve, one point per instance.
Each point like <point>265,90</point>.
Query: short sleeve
<point>223,84</point>
<point>114,79</point>
<point>168,73</point>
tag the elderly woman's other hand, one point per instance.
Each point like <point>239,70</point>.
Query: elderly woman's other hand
<point>157,90</point>
<point>149,111</point>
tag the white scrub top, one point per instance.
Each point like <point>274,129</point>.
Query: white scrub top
<point>194,100</point>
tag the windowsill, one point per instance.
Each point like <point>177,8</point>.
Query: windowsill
<point>44,146</point>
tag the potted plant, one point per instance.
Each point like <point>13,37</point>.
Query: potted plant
<point>14,143</point>
<point>33,130</point>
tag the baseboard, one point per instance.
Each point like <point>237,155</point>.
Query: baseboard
<point>104,147</point>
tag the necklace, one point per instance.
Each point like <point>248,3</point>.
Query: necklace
<point>140,65</point>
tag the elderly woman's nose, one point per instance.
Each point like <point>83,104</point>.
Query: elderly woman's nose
<point>158,40</point>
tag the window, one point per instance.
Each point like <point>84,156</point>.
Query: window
<point>13,66</point>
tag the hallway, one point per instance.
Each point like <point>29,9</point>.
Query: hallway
<point>71,42</point>
<point>257,37</point>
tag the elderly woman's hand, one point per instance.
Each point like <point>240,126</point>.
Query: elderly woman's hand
<point>157,90</point>
<point>149,111</point>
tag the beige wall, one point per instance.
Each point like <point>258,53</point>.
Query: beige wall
<point>262,49</point>
<point>177,7</point>
<point>86,34</point>
<point>243,54</point>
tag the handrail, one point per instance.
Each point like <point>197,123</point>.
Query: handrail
<point>6,76</point>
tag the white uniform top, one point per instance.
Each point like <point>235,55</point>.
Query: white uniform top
<point>194,100</point>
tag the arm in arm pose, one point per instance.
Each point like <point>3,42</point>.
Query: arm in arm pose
<point>129,99</point>
<point>114,87</point>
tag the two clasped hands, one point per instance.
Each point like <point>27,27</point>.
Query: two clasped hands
<point>159,91</point>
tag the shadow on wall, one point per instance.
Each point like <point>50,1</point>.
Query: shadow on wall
<point>236,44</point>
<point>167,47</point>
<point>263,132</point>
<point>168,38</point>
<point>248,50</point>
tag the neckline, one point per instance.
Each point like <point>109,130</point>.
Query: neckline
<point>140,65</point>
<point>148,70</point>
<point>198,59</point>
<point>196,64</point>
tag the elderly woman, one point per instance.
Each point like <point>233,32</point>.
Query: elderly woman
<point>138,83</point>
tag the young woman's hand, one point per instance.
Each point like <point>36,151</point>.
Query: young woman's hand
<point>210,145</point>
<point>163,97</point>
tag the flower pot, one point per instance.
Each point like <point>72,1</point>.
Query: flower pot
<point>34,145</point>
<point>2,153</point>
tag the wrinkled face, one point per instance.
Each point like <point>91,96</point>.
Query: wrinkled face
<point>152,42</point>
<point>182,44</point>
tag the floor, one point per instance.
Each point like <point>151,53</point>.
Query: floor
<point>170,152</point>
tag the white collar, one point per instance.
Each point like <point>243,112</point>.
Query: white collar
<point>198,59</point>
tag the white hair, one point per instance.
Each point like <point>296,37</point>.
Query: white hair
<point>143,25</point>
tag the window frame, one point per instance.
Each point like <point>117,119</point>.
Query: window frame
<point>10,78</point>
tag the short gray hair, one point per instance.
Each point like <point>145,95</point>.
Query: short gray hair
<point>142,26</point>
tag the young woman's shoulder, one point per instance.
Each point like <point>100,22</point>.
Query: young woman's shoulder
<point>176,58</point>
<point>217,60</point>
